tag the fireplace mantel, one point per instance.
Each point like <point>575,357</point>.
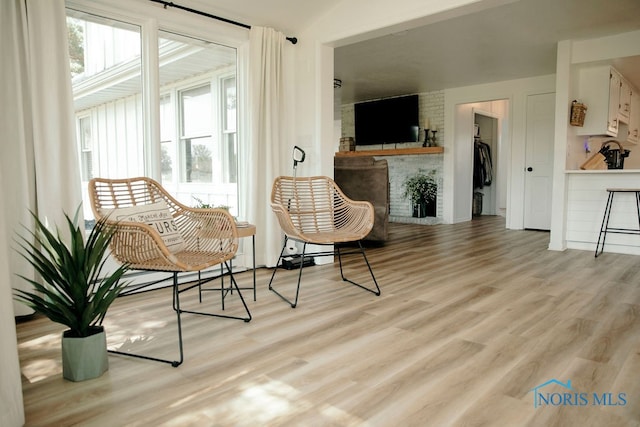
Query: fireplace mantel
<point>392,152</point>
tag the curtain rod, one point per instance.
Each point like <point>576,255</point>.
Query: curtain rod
<point>166,4</point>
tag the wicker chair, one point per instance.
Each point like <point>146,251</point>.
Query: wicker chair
<point>155,232</point>
<point>315,211</point>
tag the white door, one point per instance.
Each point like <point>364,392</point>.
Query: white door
<point>538,184</point>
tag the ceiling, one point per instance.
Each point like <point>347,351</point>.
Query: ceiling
<point>511,41</point>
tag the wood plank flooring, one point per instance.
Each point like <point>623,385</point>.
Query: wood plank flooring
<point>471,318</point>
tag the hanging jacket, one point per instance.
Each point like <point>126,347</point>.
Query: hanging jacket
<point>482,165</point>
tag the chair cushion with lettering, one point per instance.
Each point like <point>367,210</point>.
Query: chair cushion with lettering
<point>156,215</point>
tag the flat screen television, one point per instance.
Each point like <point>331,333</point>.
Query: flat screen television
<point>387,121</point>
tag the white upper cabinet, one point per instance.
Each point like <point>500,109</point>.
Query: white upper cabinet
<point>600,90</point>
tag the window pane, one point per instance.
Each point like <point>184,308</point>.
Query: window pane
<point>107,90</point>
<point>197,118</point>
<point>229,94</point>
<point>197,159</point>
<point>166,161</point>
<point>86,145</point>
<point>167,141</point>
<point>232,157</point>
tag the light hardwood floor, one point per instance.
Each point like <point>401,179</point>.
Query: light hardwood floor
<point>471,318</point>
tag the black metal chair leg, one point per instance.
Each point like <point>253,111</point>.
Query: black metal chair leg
<point>337,252</point>
<point>638,207</point>
<point>304,252</point>
<point>284,245</point>
<point>223,290</point>
<point>294,303</point>
<point>364,255</point>
<point>235,284</point>
<point>253,251</point>
<point>605,224</point>
<point>176,305</point>
<point>375,282</point>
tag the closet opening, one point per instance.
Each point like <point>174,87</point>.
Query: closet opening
<point>485,171</point>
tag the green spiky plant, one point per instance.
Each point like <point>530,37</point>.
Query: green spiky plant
<point>73,291</point>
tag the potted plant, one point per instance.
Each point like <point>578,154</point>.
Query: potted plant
<point>422,190</point>
<point>202,205</point>
<point>73,291</point>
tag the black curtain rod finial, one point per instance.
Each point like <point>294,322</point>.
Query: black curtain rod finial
<point>293,40</point>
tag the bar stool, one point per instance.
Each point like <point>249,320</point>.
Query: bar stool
<point>604,228</point>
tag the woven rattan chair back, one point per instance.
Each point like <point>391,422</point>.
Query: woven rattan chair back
<point>313,210</point>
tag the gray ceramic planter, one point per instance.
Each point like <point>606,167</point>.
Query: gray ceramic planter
<point>84,358</point>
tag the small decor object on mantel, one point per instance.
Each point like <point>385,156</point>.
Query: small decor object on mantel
<point>347,144</point>
<point>74,291</point>
<point>422,190</point>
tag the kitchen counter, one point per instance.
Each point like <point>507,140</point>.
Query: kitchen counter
<point>586,199</point>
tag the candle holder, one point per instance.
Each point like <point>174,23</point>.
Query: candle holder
<point>427,139</point>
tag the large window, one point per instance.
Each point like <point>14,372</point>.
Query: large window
<point>195,155</point>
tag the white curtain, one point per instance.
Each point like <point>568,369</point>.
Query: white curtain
<point>11,403</point>
<point>269,103</point>
<point>39,164</point>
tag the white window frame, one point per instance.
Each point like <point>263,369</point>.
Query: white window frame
<point>153,20</point>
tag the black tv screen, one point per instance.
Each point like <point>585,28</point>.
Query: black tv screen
<point>387,121</point>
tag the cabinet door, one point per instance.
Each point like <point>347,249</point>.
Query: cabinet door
<point>634,118</point>
<point>625,101</point>
<point>614,101</point>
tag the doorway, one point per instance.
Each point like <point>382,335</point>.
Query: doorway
<point>496,114</point>
<point>485,170</point>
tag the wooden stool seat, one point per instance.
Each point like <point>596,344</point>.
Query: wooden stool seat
<point>604,228</point>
